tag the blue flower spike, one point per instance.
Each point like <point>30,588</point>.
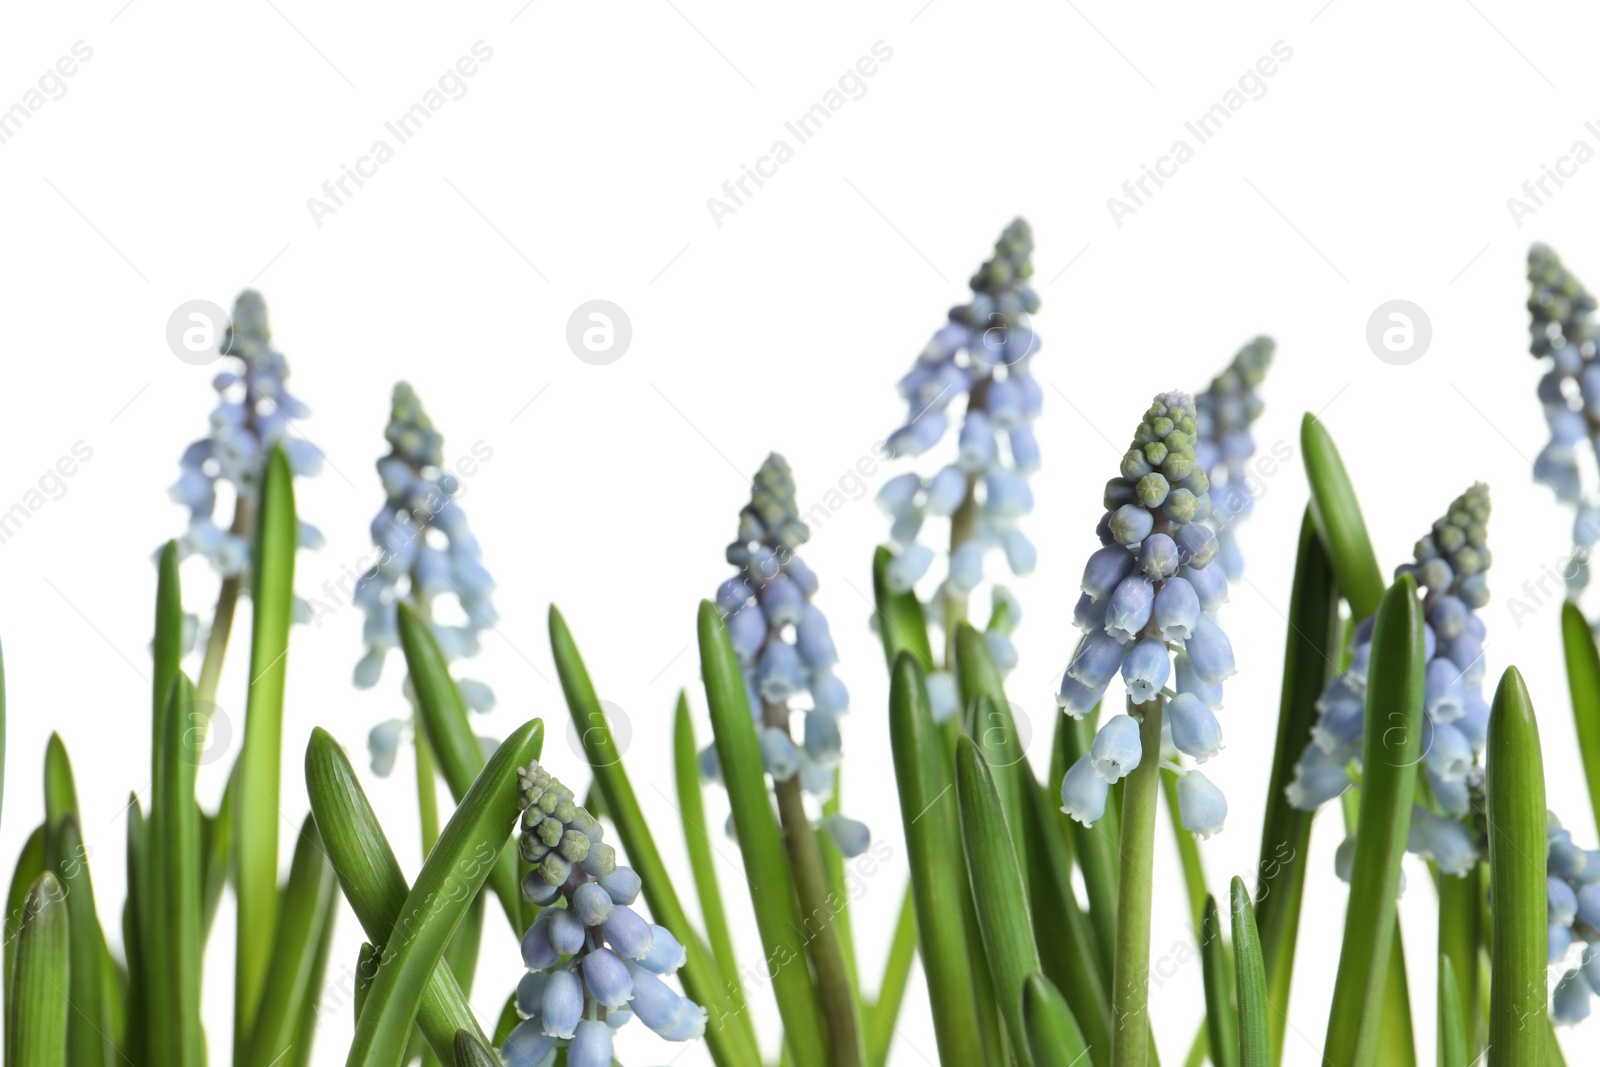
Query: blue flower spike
<point>425,552</point>
<point>1224,446</point>
<point>976,372</point>
<point>1149,597</point>
<point>593,962</point>
<point>784,645</point>
<point>1561,329</point>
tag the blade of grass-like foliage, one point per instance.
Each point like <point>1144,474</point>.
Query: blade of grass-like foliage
<point>1003,916</point>
<point>256,806</point>
<point>1221,1021</point>
<point>1251,982</point>
<point>29,866</point>
<point>1338,518</point>
<point>1068,953</point>
<point>462,957</point>
<point>1053,1037</point>
<point>833,870</point>
<point>1130,988</point>
<point>760,842</point>
<point>697,838</point>
<point>366,967</point>
<point>1452,1027</point>
<point>1194,875</point>
<point>881,1015</point>
<point>1094,847</point>
<point>451,875</point>
<point>471,1053</point>
<point>1460,940</point>
<point>1515,784</point>
<point>508,1020</point>
<point>373,883</point>
<point>173,878</point>
<point>934,856</point>
<point>729,1032</point>
<point>448,730</point>
<point>135,1046</point>
<point>991,724</point>
<point>36,1023</point>
<point>216,851</point>
<point>303,909</point>
<point>1389,777</point>
<point>167,646</point>
<point>1553,1056</point>
<point>311,1004</point>
<point>1583,682</point>
<point>901,624</point>
<point>1311,651</point>
<point>66,857</point>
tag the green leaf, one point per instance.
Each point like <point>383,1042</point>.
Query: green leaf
<point>449,735</point>
<point>470,1052</point>
<point>173,945</point>
<point>216,851</point>
<point>1053,1037</point>
<point>1583,681</point>
<point>167,646</point>
<point>1251,976</point>
<point>1452,1027</point>
<point>453,872</point>
<point>934,856</point>
<point>1461,904</point>
<point>1093,846</point>
<point>36,1023</point>
<point>1311,650</point>
<point>1389,777</point>
<point>1003,916</point>
<point>135,921</point>
<point>68,859</point>
<point>508,1019</point>
<point>303,915</point>
<point>838,891</point>
<point>1130,989</point>
<point>1221,1022</point>
<point>256,809</point>
<point>902,626</point>
<point>1194,875</point>
<point>731,1045</point>
<point>881,1016</point>
<point>993,727</point>
<point>311,1007</point>
<point>1338,519</point>
<point>366,967</point>
<point>1515,785</point>
<point>760,842</point>
<point>697,838</point>
<point>29,866</point>
<point>373,884</point>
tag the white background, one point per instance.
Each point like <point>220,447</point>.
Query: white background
<point>178,165</point>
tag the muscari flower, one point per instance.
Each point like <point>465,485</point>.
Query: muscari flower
<point>1451,565</point>
<point>1573,897</point>
<point>254,412</point>
<point>1150,594</point>
<point>1223,444</point>
<point>975,369</point>
<point>1561,327</point>
<point>593,962</point>
<point>784,647</point>
<point>425,551</point>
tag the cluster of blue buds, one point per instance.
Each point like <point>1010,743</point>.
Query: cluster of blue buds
<point>1148,609</point>
<point>1451,564</point>
<point>983,357</point>
<point>1561,327</point>
<point>1223,444</point>
<point>593,962</point>
<point>1573,896</point>
<point>425,551</point>
<point>254,411</point>
<point>784,645</point>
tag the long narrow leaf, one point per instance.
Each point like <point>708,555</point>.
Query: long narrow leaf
<point>135,1047</point>
<point>729,1032</point>
<point>901,624</point>
<point>1392,747</point>
<point>1221,1022</point>
<point>452,874</point>
<point>1461,901</point>
<point>1003,918</point>
<point>302,912</point>
<point>760,841</point>
<point>1339,520</point>
<point>450,738</point>
<point>697,839</point>
<point>68,859</point>
<point>1310,654</point>
<point>1583,682</point>
<point>933,850</point>
<point>256,807</point>
<point>36,1024</point>
<point>1452,1027</point>
<point>311,1007</point>
<point>373,883</point>
<point>173,876</point>
<point>29,866</point>
<point>882,1014</point>
<point>1515,784</point>
<point>1053,1037</point>
<point>1250,981</point>
<point>167,646</point>
<point>1095,848</point>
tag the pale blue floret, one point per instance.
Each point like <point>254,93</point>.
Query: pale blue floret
<point>1189,681</point>
<point>1195,730</point>
<point>592,1045</point>
<point>1115,751</point>
<point>823,741</point>
<point>528,1046</point>
<point>966,569</point>
<point>1442,694</point>
<point>849,836</point>
<point>1129,608</point>
<point>1145,670</point>
<point>898,495</point>
<point>1445,841</point>
<point>1210,585</point>
<point>607,978</point>
<point>943,699</point>
<point>1130,525</point>
<point>1177,609</point>
<point>946,491</point>
<point>1202,808</point>
<point>1562,900</point>
<point>1098,658</point>
<point>1210,651</point>
<point>562,1007</point>
<point>1569,1004</point>
<point>908,567</point>
<point>779,757</point>
<point>1083,792</point>
<point>1158,557</point>
<point>1449,754</point>
<point>1105,569</point>
<point>828,693</point>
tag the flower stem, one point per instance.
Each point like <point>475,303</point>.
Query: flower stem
<point>1130,1041</point>
<point>221,622</point>
<point>834,989</point>
<point>427,776</point>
